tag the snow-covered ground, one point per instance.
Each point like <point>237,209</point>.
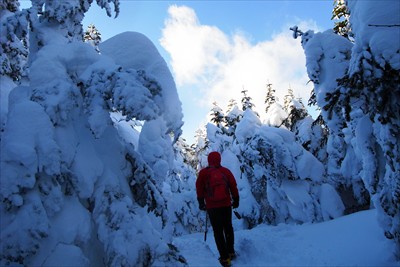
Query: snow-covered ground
<point>353,240</point>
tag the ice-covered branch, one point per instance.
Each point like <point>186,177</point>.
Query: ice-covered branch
<point>296,31</point>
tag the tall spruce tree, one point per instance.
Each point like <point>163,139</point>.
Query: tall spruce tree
<point>270,98</point>
<point>92,36</point>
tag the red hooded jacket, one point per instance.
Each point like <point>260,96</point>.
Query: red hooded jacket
<point>214,160</point>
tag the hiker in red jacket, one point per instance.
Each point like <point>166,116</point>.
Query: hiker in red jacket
<point>216,188</point>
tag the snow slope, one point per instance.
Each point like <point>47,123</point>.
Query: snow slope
<point>353,240</point>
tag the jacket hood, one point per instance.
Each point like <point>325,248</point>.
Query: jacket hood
<point>214,159</point>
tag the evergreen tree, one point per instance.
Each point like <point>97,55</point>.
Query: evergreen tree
<point>14,41</point>
<point>246,101</point>
<point>359,97</point>
<point>231,105</point>
<point>341,14</point>
<point>377,96</point>
<point>283,192</point>
<point>93,36</point>
<point>270,97</point>
<point>317,143</point>
<point>201,148</point>
<point>287,100</point>
<point>64,17</point>
<point>184,215</point>
<point>10,5</point>
<point>255,172</point>
<point>339,149</point>
<point>233,117</point>
<point>187,152</point>
<point>296,113</point>
<point>72,159</point>
<point>217,116</point>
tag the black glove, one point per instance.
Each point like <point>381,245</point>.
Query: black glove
<point>235,203</point>
<point>202,205</point>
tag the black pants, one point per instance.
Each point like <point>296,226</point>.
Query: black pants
<point>221,221</point>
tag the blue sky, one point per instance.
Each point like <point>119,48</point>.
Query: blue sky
<point>259,19</point>
<point>217,48</point>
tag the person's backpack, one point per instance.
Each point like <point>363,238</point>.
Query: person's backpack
<point>217,185</point>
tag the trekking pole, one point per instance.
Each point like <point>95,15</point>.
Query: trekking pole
<point>205,233</point>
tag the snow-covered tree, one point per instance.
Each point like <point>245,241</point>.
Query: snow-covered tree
<point>257,208</point>
<point>270,166</point>
<point>297,112</point>
<point>232,117</point>
<point>187,152</point>
<point>93,37</point>
<point>341,15</point>
<point>14,42</point>
<point>217,116</point>
<point>246,101</point>
<point>276,115</point>
<point>339,148</point>
<point>285,180</point>
<point>179,189</point>
<point>10,5</point>
<point>361,104</point>
<point>314,138</point>
<point>373,79</point>
<point>287,99</point>
<point>75,181</point>
<point>64,17</point>
<point>270,97</point>
<point>200,147</point>
<point>231,105</point>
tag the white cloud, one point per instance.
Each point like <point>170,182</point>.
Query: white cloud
<point>195,49</point>
<point>219,66</point>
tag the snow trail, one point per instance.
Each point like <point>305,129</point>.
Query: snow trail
<point>353,240</point>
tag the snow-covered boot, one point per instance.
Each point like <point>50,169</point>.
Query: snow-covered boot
<point>225,262</point>
<point>232,255</point>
